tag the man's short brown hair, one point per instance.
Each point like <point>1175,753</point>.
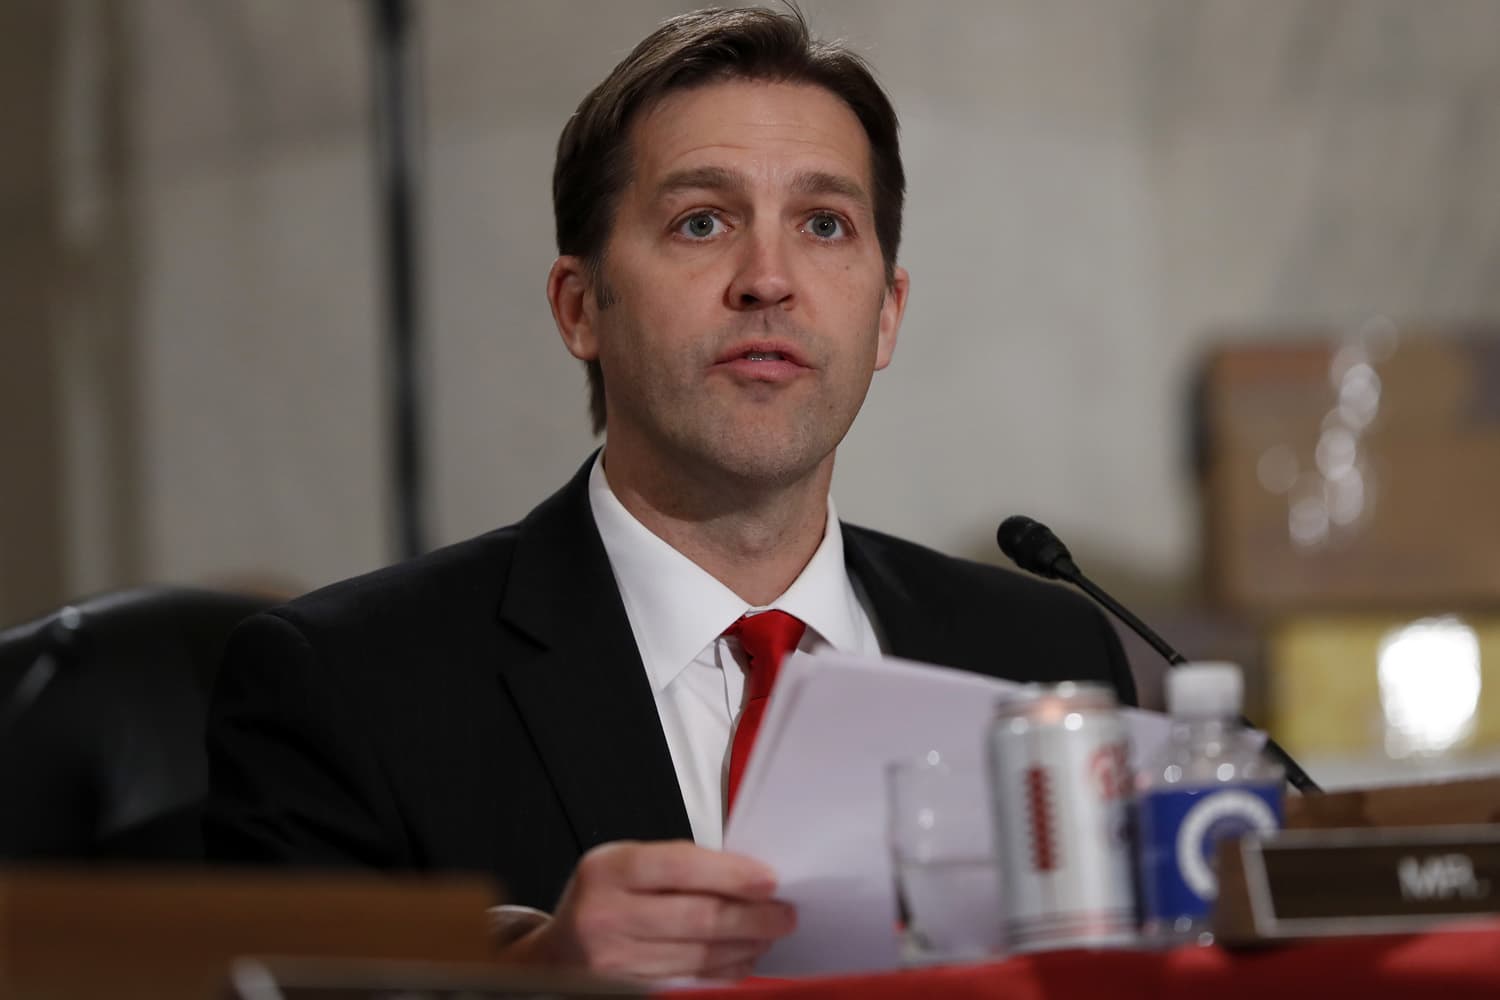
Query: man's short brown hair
<point>691,50</point>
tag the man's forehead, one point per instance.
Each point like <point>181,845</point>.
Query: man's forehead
<point>715,135</point>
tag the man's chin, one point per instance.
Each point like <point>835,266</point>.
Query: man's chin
<point>769,460</point>
<point>747,451</point>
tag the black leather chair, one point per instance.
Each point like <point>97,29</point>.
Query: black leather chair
<point>102,708</point>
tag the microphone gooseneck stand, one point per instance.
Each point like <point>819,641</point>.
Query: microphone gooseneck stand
<point>1033,547</point>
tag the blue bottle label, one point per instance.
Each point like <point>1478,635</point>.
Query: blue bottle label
<point>1178,830</point>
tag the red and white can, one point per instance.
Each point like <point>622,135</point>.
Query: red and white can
<point>1060,782</point>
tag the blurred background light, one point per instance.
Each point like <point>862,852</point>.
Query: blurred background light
<point>1308,521</point>
<point>1277,469</point>
<point>1359,396</point>
<point>1429,675</point>
<point>1344,495</point>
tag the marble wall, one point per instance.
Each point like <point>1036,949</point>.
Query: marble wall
<point>1098,192</point>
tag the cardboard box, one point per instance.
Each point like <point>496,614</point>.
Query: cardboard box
<point>1353,475</point>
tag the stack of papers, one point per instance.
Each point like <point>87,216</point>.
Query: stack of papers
<point>812,802</point>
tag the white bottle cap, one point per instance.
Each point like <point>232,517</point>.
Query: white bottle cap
<point>1205,690</point>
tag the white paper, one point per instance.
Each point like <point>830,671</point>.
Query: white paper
<point>812,802</point>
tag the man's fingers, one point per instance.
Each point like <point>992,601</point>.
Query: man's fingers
<point>682,866</point>
<point>686,867</point>
<point>703,918</point>
<point>666,909</point>
<point>664,959</point>
<point>731,973</point>
<point>726,963</point>
<point>708,960</point>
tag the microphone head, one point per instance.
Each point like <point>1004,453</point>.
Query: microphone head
<point>1033,547</point>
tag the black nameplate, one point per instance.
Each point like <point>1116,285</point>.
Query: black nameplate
<point>1313,883</point>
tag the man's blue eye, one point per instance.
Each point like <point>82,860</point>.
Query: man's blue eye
<point>825,226</point>
<point>699,226</point>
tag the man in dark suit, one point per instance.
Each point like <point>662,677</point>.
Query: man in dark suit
<point>567,703</point>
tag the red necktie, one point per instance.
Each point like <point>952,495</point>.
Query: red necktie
<point>766,639</point>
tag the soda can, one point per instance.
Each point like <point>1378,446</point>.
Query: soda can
<point>1060,781</point>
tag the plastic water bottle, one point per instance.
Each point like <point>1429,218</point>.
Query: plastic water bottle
<point>1211,781</point>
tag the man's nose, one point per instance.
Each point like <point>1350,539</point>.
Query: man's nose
<point>764,275</point>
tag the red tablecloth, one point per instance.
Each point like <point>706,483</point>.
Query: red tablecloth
<point>1448,965</point>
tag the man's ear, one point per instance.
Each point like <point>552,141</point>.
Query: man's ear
<point>573,307</point>
<point>891,311</point>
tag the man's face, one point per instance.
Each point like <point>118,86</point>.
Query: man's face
<point>749,303</point>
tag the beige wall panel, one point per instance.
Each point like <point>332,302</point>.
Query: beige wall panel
<point>1097,192</point>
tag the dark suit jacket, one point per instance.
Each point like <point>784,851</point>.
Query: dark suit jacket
<point>484,708</point>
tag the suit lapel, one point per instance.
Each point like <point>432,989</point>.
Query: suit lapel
<point>913,625</point>
<point>584,695</point>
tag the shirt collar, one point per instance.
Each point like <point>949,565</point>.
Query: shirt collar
<point>676,608</point>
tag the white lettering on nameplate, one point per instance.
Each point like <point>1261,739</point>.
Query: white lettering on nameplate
<point>1440,876</point>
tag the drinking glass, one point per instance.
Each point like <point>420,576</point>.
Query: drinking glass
<point>943,857</point>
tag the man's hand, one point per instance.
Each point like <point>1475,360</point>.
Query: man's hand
<point>650,911</point>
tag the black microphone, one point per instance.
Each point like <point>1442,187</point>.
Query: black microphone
<point>1033,547</point>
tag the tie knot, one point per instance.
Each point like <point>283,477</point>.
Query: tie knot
<point>767,638</point>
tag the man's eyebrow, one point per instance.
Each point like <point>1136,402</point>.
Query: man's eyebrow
<point>701,179</point>
<point>819,182</point>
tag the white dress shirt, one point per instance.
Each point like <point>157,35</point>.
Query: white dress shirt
<point>678,613</point>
